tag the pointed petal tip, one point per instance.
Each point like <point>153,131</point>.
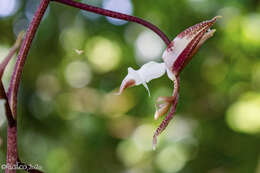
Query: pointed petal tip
<point>154,142</point>
<point>161,110</point>
<point>217,17</point>
<point>154,147</point>
<point>118,93</point>
<point>214,19</point>
<point>125,84</point>
<point>156,115</point>
<point>162,106</point>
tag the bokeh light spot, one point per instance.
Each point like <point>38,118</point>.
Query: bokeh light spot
<point>40,106</point>
<point>214,70</point>
<point>47,86</point>
<point>232,12</point>
<point>58,161</point>
<point>148,46</point>
<point>172,158</point>
<point>142,137</point>
<point>78,74</point>
<point>244,115</point>
<point>121,127</point>
<point>114,105</point>
<point>103,54</point>
<point>250,28</point>
<point>256,75</point>
<point>129,153</point>
<point>20,24</point>
<point>122,6</point>
<point>72,38</point>
<point>8,7</point>
<point>202,6</point>
<point>85,100</point>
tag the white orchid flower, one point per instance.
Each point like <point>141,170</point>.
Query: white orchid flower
<point>178,53</point>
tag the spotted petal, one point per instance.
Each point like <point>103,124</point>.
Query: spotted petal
<point>185,45</point>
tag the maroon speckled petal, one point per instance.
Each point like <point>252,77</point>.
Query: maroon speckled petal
<point>179,52</point>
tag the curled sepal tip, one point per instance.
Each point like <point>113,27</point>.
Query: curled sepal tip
<point>162,106</point>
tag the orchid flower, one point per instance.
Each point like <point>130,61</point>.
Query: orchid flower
<point>178,53</point>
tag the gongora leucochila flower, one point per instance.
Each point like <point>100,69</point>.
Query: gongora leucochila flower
<point>178,53</point>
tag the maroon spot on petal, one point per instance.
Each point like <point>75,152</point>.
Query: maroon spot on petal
<point>125,85</point>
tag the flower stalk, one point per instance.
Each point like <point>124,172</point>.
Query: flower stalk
<point>116,15</point>
<point>22,55</point>
<point>11,97</point>
<point>12,127</point>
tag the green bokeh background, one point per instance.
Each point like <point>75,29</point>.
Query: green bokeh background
<point>69,119</point>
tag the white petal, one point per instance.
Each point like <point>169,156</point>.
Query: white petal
<point>171,53</point>
<point>184,44</point>
<point>170,74</point>
<point>152,70</point>
<point>146,73</point>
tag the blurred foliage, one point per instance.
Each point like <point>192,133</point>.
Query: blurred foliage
<point>69,119</point>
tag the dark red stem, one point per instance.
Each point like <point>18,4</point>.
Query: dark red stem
<point>117,15</point>
<point>17,74</point>
<point>11,149</point>
<point>11,133</point>
<point>12,154</point>
<point>170,115</point>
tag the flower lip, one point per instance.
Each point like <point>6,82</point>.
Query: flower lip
<point>146,73</point>
<point>179,51</point>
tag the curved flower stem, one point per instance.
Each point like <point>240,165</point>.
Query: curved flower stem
<point>12,128</point>
<point>117,15</point>
<point>17,74</point>
<point>12,154</point>
<point>170,115</point>
<point>11,132</point>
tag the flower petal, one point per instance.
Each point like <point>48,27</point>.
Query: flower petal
<point>146,73</point>
<point>178,52</point>
<point>163,103</point>
<point>162,106</point>
<point>204,38</point>
<point>165,122</point>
